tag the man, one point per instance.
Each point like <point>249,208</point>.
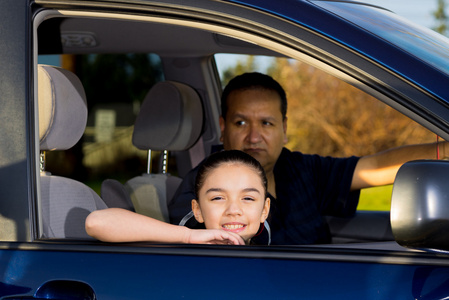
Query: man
<point>302,188</point>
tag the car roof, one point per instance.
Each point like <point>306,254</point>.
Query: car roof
<point>372,31</point>
<point>111,36</point>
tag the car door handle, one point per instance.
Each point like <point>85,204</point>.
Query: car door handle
<point>60,289</point>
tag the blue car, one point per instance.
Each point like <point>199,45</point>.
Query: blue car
<point>62,157</point>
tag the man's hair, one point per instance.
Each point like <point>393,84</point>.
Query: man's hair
<point>253,80</point>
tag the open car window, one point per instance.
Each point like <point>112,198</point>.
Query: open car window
<point>325,100</point>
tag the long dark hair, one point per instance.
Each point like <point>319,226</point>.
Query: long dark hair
<point>228,157</point>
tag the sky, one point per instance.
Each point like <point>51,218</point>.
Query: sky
<point>417,11</point>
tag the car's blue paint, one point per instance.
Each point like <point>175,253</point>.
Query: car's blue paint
<point>384,37</point>
<point>422,43</point>
<point>149,276</point>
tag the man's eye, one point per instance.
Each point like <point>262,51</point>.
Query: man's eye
<point>266,123</point>
<point>240,123</point>
<point>217,198</point>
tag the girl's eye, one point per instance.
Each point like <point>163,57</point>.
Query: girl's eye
<point>248,199</point>
<point>216,198</point>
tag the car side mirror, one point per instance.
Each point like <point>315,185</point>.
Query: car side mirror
<point>420,205</point>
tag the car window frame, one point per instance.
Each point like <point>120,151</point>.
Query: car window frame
<point>288,45</point>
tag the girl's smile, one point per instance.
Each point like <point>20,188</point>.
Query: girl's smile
<point>234,227</point>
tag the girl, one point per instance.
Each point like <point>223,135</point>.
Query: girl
<point>232,202</point>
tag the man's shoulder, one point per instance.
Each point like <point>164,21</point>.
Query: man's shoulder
<point>288,156</point>
<point>310,162</point>
<point>287,153</point>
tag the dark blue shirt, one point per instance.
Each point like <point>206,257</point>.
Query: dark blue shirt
<point>307,188</point>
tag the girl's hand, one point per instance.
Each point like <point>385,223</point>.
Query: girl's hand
<point>214,236</point>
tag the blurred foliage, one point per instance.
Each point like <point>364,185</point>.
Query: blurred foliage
<point>118,77</point>
<point>441,17</point>
<point>119,82</point>
<point>327,116</point>
<point>247,64</point>
<point>376,198</point>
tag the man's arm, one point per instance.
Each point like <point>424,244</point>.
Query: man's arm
<point>381,168</point>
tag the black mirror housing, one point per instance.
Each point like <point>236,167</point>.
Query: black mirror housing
<point>420,205</point>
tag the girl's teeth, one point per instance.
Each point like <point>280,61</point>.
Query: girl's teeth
<point>232,226</point>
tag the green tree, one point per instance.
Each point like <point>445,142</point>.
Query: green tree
<point>241,66</point>
<point>327,116</point>
<point>441,17</point>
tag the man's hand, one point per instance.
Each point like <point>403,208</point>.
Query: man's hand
<point>214,236</point>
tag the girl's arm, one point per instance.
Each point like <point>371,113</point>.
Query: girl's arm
<point>120,225</point>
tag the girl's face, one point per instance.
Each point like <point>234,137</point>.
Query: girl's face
<point>232,199</point>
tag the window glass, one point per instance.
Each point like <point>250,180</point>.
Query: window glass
<point>115,86</point>
<point>424,43</point>
<point>52,60</point>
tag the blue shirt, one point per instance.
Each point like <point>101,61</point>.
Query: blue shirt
<point>308,187</point>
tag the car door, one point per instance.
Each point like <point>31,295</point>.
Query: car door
<point>33,266</point>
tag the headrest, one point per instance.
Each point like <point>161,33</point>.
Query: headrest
<point>62,108</point>
<point>171,118</point>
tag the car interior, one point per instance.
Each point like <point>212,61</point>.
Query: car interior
<point>62,117</point>
<point>175,127</point>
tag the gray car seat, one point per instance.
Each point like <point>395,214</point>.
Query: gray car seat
<point>64,202</point>
<point>170,119</point>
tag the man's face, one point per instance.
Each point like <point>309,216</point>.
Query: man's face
<point>254,125</point>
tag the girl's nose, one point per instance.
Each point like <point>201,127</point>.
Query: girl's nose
<point>233,208</point>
